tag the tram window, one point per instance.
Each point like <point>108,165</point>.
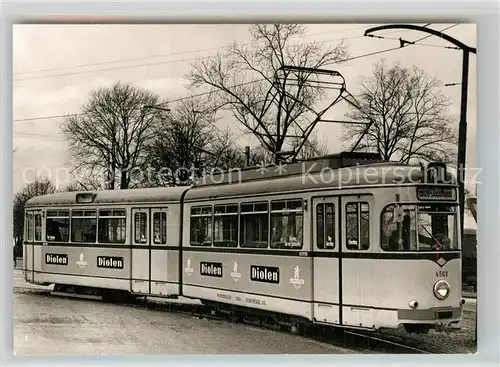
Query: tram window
<point>140,227</point>
<point>38,227</point>
<point>160,228</point>
<point>57,225</point>
<point>325,226</point>
<point>254,225</point>
<point>83,226</point>
<point>437,227</point>
<point>226,225</point>
<point>111,226</point>
<point>30,225</point>
<point>422,228</point>
<point>201,226</point>
<point>286,224</point>
<point>357,226</point>
<point>398,234</point>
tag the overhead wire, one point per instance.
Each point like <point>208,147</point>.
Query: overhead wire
<point>159,62</point>
<point>146,64</point>
<point>442,30</point>
<point>236,85</point>
<point>54,136</point>
<point>404,42</point>
<point>209,92</point>
<point>167,54</point>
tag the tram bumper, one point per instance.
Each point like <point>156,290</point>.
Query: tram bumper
<point>436,315</point>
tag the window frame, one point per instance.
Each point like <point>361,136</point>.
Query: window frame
<point>416,206</point>
<point>286,210</point>
<point>84,210</point>
<point>41,233</point>
<point>161,212</point>
<point>359,211</point>
<point>453,214</point>
<point>201,215</point>
<point>30,226</point>
<point>58,216</point>
<point>112,216</point>
<point>324,221</point>
<point>134,223</point>
<point>243,214</point>
<point>216,215</point>
<point>385,245</point>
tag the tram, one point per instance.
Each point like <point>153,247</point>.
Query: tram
<point>346,240</point>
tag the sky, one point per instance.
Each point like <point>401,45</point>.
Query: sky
<point>56,66</point>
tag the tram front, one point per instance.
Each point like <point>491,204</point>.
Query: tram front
<point>422,230</point>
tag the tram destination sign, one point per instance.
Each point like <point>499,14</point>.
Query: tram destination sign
<point>436,193</point>
<point>211,269</point>
<point>265,274</point>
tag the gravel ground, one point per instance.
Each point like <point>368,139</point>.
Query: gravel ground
<point>459,339</point>
<point>48,325</point>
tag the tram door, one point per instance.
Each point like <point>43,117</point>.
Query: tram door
<point>28,248</point>
<point>326,260</point>
<point>33,256</point>
<point>358,277</point>
<point>159,256</point>
<point>141,252</point>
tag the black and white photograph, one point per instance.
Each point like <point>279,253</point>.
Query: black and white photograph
<point>244,188</point>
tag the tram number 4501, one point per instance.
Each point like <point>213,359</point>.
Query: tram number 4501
<point>442,273</point>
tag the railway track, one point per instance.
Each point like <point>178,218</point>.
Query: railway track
<point>358,341</point>
<point>397,344</point>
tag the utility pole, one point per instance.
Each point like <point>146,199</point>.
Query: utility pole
<point>247,156</point>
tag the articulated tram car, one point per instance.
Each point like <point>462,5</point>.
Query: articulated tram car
<point>343,241</point>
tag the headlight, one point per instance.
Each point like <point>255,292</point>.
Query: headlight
<point>441,289</point>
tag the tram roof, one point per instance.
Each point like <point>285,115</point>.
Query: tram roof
<point>144,195</point>
<point>375,174</point>
<point>386,173</point>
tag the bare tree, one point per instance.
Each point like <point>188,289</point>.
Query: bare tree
<point>408,113</point>
<point>41,186</point>
<point>75,186</point>
<point>260,156</point>
<point>243,81</point>
<point>90,178</point>
<point>313,147</point>
<point>106,140</point>
<point>226,155</point>
<point>187,143</point>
